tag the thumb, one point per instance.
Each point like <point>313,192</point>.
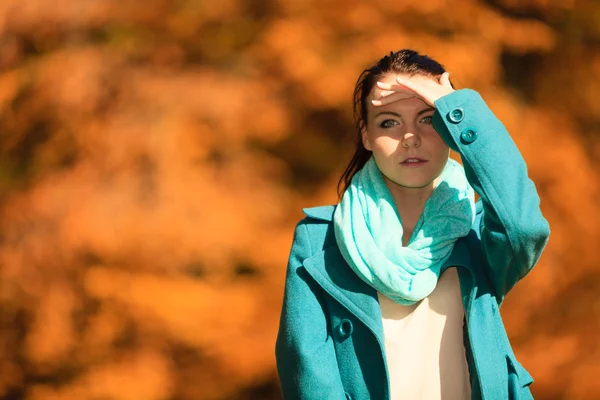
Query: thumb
<point>445,79</point>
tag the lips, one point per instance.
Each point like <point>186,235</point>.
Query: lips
<point>413,162</point>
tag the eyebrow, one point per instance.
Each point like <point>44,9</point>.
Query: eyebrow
<point>400,116</point>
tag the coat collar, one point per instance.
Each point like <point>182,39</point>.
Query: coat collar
<point>324,213</point>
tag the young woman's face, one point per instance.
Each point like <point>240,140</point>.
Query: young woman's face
<point>406,148</point>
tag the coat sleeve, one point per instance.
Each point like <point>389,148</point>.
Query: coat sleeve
<point>513,230</point>
<point>306,359</point>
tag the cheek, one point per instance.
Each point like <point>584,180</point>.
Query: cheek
<point>436,142</point>
<point>385,144</point>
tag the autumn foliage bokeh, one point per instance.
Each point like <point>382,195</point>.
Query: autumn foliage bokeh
<point>155,157</point>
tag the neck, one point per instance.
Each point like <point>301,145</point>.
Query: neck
<point>410,203</point>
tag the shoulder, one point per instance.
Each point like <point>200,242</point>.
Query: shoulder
<point>317,226</point>
<point>319,219</point>
<point>324,214</point>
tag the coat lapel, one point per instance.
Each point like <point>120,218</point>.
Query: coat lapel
<point>460,258</point>
<point>493,382</point>
<point>329,269</point>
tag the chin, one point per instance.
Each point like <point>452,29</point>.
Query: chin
<point>418,185</point>
<point>414,184</point>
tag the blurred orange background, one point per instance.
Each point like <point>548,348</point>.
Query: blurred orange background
<point>155,157</point>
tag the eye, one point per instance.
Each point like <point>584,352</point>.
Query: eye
<point>427,119</point>
<point>388,123</point>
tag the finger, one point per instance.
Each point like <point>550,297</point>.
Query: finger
<point>384,86</point>
<point>390,98</point>
<point>445,79</point>
<point>389,88</point>
<point>408,84</point>
<point>384,93</point>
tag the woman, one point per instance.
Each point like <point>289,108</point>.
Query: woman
<point>394,292</point>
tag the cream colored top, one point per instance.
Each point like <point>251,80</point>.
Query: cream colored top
<point>424,344</point>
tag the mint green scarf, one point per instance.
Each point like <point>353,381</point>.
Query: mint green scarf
<point>368,231</point>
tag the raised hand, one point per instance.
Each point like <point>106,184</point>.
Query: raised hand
<point>428,89</point>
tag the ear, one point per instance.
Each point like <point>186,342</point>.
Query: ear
<point>365,139</point>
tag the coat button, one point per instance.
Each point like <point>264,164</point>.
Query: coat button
<point>456,115</point>
<point>468,136</point>
<point>345,328</point>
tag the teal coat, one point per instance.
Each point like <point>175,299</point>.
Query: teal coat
<point>330,343</point>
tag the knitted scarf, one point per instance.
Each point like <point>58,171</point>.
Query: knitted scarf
<point>368,231</point>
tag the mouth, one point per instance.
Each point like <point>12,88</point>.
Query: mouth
<point>413,162</point>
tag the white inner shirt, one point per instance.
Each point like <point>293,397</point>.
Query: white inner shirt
<point>424,347</point>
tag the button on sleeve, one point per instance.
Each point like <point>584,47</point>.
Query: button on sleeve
<point>468,136</point>
<point>456,115</point>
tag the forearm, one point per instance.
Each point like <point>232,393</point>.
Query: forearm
<point>513,230</point>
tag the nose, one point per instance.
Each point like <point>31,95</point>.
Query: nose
<point>410,139</point>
